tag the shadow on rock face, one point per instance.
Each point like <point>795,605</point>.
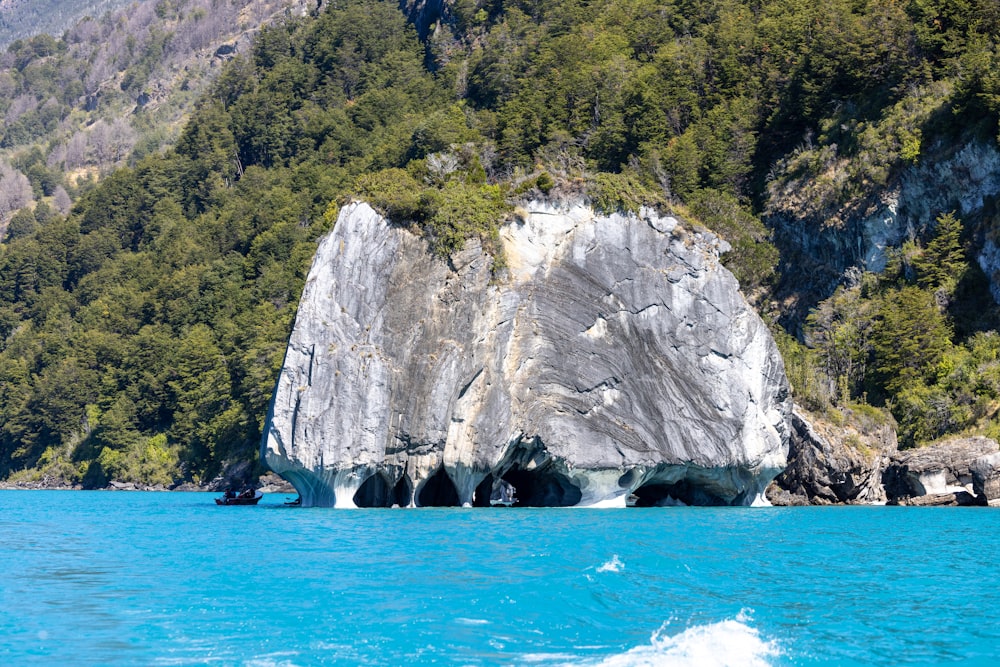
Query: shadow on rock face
<point>378,491</point>
<point>659,494</point>
<point>438,491</point>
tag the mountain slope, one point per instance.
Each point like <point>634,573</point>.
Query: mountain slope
<point>114,88</point>
<point>20,19</point>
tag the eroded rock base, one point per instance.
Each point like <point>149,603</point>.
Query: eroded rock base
<point>527,477</point>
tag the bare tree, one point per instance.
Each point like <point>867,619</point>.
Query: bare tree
<point>99,143</point>
<point>110,143</point>
<point>21,105</point>
<point>86,31</point>
<point>15,190</point>
<point>441,165</point>
<point>76,151</point>
<point>61,200</point>
<point>121,140</point>
<point>56,159</point>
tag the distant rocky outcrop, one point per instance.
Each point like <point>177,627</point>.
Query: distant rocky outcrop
<point>615,360</point>
<point>424,14</point>
<point>986,478</point>
<point>853,459</point>
<point>835,462</point>
<point>940,474</point>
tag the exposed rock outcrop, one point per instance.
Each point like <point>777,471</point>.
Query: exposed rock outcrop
<point>989,261</point>
<point>834,463</point>
<point>423,14</point>
<point>617,357</point>
<point>986,478</point>
<point>940,474</point>
<point>823,247</point>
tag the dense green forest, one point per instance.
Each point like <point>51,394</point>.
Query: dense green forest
<point>142,332</point>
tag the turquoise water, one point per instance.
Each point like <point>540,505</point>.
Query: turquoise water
<point>171,579</point>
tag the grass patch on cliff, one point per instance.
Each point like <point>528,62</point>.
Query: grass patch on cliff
<point>447,211</point>
<point>625,192</point>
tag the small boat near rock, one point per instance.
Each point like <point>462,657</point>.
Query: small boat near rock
<point>248,497</point>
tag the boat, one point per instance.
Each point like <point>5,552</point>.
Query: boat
<point>503,495</point>
<point>245,498</point>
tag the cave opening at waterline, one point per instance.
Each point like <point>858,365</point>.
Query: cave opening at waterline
<point>682,492</point>
<point>484,492</point>
<point>402,493</point>
<point>377,491</point>
<point>438,491</point>
<point>494,492</point>
<point>540,487</point>
<point>374,492</point>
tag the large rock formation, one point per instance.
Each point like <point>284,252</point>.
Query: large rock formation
<point>835,462</point>
<point>986,478</point>
<point>615,358</point>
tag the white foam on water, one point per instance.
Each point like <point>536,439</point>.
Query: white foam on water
<point>613,565</point>
<point>472,621</point>
<point>727,643</point>
<point>271,660</point>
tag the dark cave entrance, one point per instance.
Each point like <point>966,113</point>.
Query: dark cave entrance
<point>657,494</point>
<point>402,493</point>
<point>377,492</point>
<point>439,491</point>
<point>374,492</point>
<point>542,488</point>
<point>481,496</point>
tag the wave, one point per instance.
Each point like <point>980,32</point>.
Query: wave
<point>729,642</point>
<point>613,565</point>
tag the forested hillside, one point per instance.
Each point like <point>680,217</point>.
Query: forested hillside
<point>143,330</point>
<point>116,87</point>
<point>20,19</point>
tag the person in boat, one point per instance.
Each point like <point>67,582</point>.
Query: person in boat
<point>229,494</point>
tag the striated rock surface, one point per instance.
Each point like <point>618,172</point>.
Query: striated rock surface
<point>616,359</point>
<point>832,463</point>
<point>932,475</point>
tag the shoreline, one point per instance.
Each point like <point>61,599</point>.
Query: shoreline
<point>268,483</point>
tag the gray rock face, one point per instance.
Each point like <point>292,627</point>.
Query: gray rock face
<point>616,358</point>
<point>833,464</point>
<point>825,247</point>
<point>939,470</point>
<point>986,478</point>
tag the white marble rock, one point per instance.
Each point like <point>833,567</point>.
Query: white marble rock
<point>616,356</point>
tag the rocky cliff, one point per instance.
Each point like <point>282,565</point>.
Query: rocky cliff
<point>851,457</point>
<point>823,246</point>
<point>615,360</point>
<point>835,462</point>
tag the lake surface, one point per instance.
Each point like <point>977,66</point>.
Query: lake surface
<point>172,579</point>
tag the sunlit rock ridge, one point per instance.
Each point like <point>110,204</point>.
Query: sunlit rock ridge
<point>615,361</point>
